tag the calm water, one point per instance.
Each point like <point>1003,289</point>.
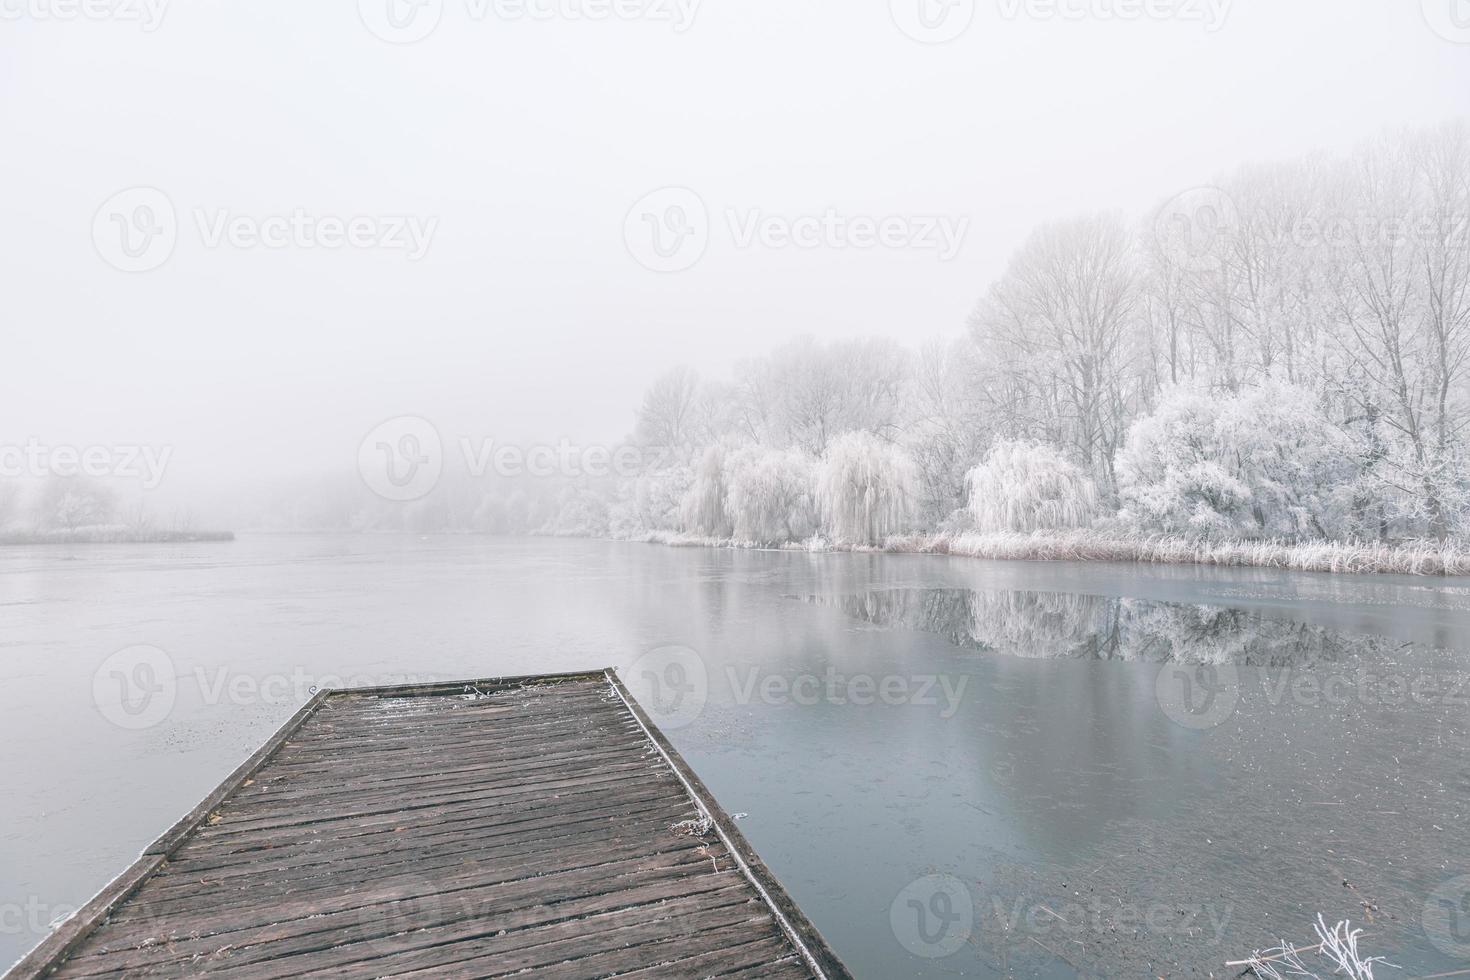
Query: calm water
<point>956,767</point>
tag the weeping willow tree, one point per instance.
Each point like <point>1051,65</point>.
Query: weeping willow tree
<point>769,495</point>
<point>1028,486</point>
<point>702,508</point>
<point>865,489</point>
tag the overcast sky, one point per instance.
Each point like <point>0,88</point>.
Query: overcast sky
<point>515,301</point>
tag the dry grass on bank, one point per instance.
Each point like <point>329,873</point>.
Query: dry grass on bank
<point>1350,557</point>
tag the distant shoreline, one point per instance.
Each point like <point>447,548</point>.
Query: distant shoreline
<point>1334,557</point>
<point>108,535</point>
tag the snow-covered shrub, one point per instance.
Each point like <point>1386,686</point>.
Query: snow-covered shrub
<point>865,489</point>
<point>769,494</point>
<point>650,501</point>
<point>1265,462</point>
<point>581,512</point>
<point>1030,486</point>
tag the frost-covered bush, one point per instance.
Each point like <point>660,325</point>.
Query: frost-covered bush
<point>769,494</point>
<point>650,501</point>
<point>581,512</point>
<point>1265,462</point>
<point>1030,486</point>
<point>865,489</point>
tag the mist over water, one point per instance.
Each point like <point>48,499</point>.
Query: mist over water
<point>388,341</point>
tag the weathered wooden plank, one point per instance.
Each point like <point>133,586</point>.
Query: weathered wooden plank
<point>489,838</point>
<point>541,825</point>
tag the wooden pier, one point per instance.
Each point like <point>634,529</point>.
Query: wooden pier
<point>537,826</point>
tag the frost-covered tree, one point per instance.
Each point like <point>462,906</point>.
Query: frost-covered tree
<point>581,511</point>
<point>807,393</point>
<point>1029,486</point>
<point>769,494</point>
<point>702,508</point>
<point>668,415</point>
<point>1058,330</point>
<point>865,489</point>
<point>1265,462</point>
<point>947,428</point>
<point>656,496</point>
<point>71,502</point>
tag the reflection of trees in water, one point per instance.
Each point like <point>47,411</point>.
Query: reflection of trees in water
<point>1062,625</point>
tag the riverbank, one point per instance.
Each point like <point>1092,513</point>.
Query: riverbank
<point>1343,557</point>
<point>110,535</point>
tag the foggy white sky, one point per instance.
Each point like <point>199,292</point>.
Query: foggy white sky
<point>529,140</point>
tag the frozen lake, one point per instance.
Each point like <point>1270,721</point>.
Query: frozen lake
<point>956,767</point>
